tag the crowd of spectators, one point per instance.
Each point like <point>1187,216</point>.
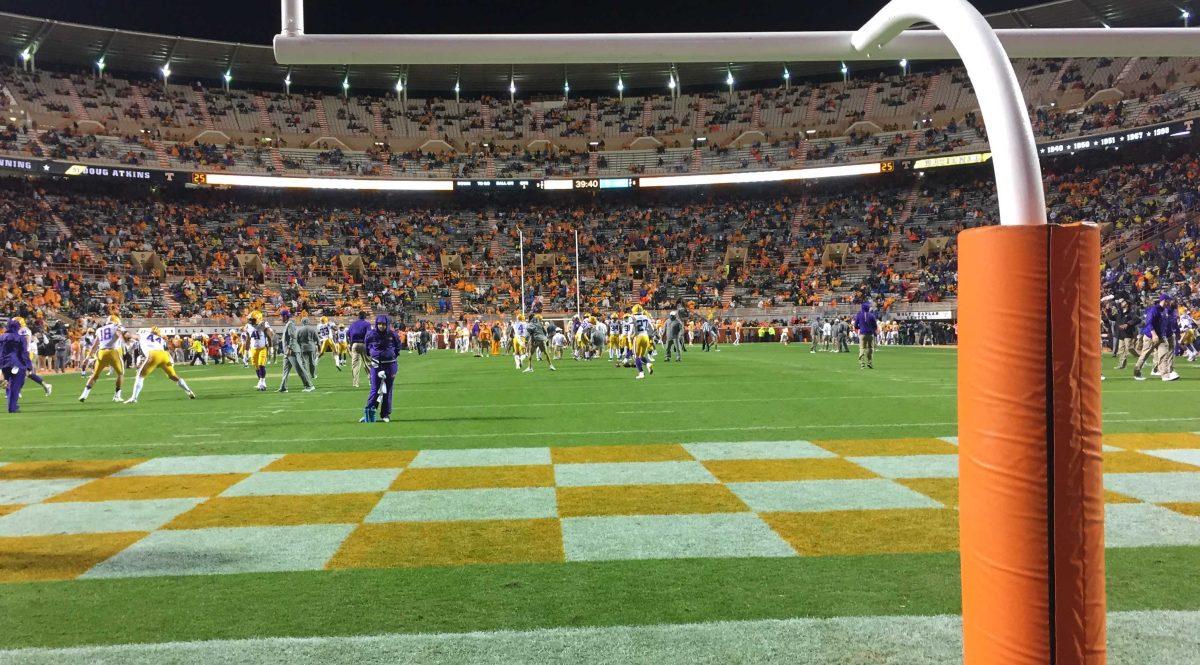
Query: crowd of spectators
<point>73,250</point>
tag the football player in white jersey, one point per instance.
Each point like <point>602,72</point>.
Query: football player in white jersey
<point>520,342</point>
<point>108,348</point>
<point>258,336</point>
<point>155,356</point>
<point>643,327</point>
<point>1187,334</point>
<point>325,335</point>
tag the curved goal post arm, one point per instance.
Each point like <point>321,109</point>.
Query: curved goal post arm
<point>1031,507</point>
<point>1014,152</point>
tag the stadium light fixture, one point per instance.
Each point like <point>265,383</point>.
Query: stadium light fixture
<point>399,86</point>
<point>845,72</point>
<point>620,88</point>
<point>904,66</point>
<point>26,54</point>
<point>100,64</point>
<point>1187,18</point>
<point>512,90</point>
<point>287,82</point>
<point>166,71</point>
<point>566,89</point>
<point>228,78</point>
<point>346,87</point>
<point>671,82</point>
<point>457,89</point>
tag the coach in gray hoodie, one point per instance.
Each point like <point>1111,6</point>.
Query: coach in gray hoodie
<point>309,344</point>
<point>673,335</point>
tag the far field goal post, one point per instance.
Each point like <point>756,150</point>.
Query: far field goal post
<point>1031,490</point>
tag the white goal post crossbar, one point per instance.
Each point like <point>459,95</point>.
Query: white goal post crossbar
<point>294,47</point>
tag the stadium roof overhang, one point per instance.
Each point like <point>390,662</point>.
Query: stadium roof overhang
<point>74,46</point>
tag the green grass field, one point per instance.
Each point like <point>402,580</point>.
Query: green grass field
<point>392,542</point>
<point>445,400</point>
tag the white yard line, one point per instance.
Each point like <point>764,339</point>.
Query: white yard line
<point>1134,638</point>
<point>513,434</point>
<point>581,404</point>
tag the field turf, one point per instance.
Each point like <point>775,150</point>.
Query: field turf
<point>754,483</point>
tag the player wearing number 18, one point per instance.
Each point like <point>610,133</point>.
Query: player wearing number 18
<point>109,352</point>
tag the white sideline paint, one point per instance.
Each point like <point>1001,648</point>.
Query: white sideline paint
<point>1135,638</point>
<point>806,429</point>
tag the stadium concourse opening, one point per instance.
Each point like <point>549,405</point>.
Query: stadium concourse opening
<point>745,362</point>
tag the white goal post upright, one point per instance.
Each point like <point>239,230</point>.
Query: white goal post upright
<point>1014,151</point>
<point>578,301</point>
<point>521,237</point>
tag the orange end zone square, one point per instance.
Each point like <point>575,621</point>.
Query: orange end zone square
<point>419,544</point>
<point>942,490</point>
<point>759,470</point>
<point>1153,441</point>
<point>152,487</point>
<point>394,459</point>
<point>277,510</point>
<point>660,452</point>
<point>475,477</point>
<point>1131,461</point>
<point>868,531</point>
<point>39,558</point>
<point>866,447</point>
<point>65,469</point>
<point>10,508</point>
<point>648,500</point>
<point>1185,508</point>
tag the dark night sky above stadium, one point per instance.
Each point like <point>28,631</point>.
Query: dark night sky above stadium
<point>256,21</point>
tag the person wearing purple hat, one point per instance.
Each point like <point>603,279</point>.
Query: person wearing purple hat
<point>1154,334</point>
<point>14,362</point>
<point>383,347</point>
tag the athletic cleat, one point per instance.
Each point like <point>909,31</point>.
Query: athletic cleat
<point>1137,376</point>
<point>640,375</point>
<point>191,395</point>
<point>1171,376</point>
<point>310,389</point>
<point>47,388</point>
<point>553,368</point>
<point>116,398</point>
<point>131,400</point>
<point>527,370</point>
<point>282,390</point>
<point>386,420</point>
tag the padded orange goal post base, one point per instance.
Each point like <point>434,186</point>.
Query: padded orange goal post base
<point>1031,505</point>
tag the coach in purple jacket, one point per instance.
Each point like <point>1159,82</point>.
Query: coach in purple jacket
<point>1154,334</point>
<point>867,326</point>
<point>383,347</point>
<point>14,362</point>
